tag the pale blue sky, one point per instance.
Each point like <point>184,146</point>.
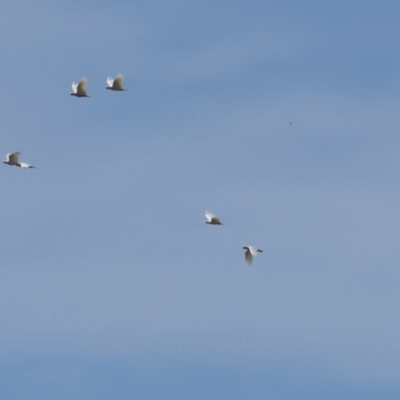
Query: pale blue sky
<point>280,117</point>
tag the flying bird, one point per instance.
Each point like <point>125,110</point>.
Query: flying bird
<point>79,88</point>
<point>115,84</point>
<point>12,159</point>
<point>251,252</point>
<point>212,219</point>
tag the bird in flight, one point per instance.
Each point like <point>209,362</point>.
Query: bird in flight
<point>115,84</point>
<point>212,219</point>
<point>12,159</point>
<point>79,88</point>
<point>251,252</point>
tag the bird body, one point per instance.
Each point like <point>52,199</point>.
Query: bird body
<point>251,252</point>
<point>115,84</point>
<point>212,219</point>
<point>79,88</point>
<point>12,159</point>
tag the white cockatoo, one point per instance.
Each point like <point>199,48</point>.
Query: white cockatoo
<point>79,88</point>
<point>115,84</point>
<point>251,252</point>
<point>12,159</point>
<point>212,219</point>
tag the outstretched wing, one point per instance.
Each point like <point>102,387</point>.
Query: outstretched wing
<point>13,157</point>
<point>248,257</point>
<point>110,82</point>
<point>253,250</point>
<point>209,216</point>
<point>216,220</point>
<point>81,88</point>
<point>75,87</point>
<point>118,82</point>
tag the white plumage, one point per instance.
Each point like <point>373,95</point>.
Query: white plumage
<point>251,252</point>
<point>79,88</point>
<point>212,219</point>
<point>12,159</point>
<point>115,84</point>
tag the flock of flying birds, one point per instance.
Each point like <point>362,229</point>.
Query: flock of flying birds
<point>79,90</point>
<point>250,252</point>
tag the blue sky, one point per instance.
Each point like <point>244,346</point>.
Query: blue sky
<point>280,117</point>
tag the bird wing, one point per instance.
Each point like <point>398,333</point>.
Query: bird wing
<point>253,250</point>
<point>118,82</point>
<point>209,216</point>
<point>75,87</point>
<point>81,89</point>
<point>216,219</point>
<point>110,82</point>
<point>248,257</point>
<point>13,157</point>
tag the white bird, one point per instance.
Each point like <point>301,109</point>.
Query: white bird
<point>12,159</point>
<point>251,252</point>
<point>79,88</point>
<point>115,84</point>
<point>212,219</point>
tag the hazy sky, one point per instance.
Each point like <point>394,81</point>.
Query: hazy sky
<point>281,117</point>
